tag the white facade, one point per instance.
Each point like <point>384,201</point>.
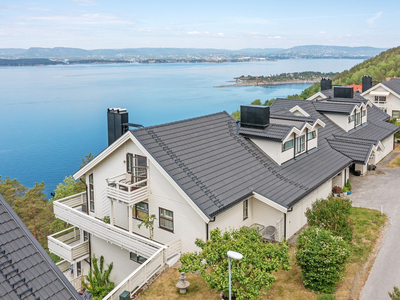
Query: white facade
<point>392,100</point>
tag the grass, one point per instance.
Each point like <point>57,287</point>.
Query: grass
<point>395,163</point>
<point>288,284</point>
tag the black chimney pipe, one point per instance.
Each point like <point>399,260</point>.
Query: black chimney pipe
<point>366,83</point>
<point>116,118</point>
<point>326,84</point>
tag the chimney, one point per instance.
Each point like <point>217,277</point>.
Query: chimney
<point>326,84</point>
<point>343,92</point>
<point>254,116</point>
<point>116,117</point>
<point>366,83</point>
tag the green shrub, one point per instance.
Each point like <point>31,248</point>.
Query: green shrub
<point>322,258</point>
<point>348,185</point>
<point>345,189</point>
<point>333,215</point>
<point>395,295</point>
<point>326,297</point>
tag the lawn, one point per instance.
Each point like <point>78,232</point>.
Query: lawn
<point>288,284</point>
<point>395,163</point>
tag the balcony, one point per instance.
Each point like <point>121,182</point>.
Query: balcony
<point>120,189</point>
<point>67,245</point>
<point>64,267</point>
<point>70,210</point>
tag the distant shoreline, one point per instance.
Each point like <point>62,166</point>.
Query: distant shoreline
<point>269,83</point>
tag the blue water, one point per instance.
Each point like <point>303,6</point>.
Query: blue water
<point>52,116</point>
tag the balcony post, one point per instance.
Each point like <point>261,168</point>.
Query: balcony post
<point>130,221</point>
<point>112,213</point>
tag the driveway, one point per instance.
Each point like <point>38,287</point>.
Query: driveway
<point>382,191</point>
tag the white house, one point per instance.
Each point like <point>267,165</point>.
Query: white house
<point>386,95</point>
<point>212,171</point>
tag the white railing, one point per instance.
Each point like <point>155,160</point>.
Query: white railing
<point>128,193</point>
<point>77,283</point>
<point>140,276</point>
<point>119,237</point>
<point>173,249</point>
<point>63,265</point>
<point>67,245</point>
<point>74,200</point>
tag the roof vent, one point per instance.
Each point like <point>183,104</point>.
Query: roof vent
<point>326,84</point>
<point>343,92</point>
<point>254,116</point>
<point>116,118</point>
<point>366,83</point>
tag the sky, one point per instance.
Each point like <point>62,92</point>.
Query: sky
<point>112,24</point>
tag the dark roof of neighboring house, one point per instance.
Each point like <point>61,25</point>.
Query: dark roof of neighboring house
<point>26,270</point>
<point>393,84</point>
<point>292,117</point>
<point>218,167</point>
<point>272,131</point>
<point>356,97</point>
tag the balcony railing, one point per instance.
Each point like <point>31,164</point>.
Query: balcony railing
<point>67,244</point>
<point>69,210</point>
<point>129,193</point>
<point>64,266</point>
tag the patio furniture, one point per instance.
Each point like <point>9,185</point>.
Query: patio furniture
<point>268,233</point>
<point>257,226</point>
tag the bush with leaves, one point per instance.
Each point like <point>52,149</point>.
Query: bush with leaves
<point>395,295</point>
<point>322,258</point>
<point>333,215</point>
<point>251,276</point>
<point>99,284</point>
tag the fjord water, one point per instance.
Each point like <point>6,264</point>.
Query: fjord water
<point>52,116</point>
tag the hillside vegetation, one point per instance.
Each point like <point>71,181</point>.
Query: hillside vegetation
<point>386,64</point>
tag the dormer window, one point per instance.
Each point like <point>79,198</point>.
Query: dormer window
<point>363,113</point>
<point>311,135</point>
<point>351,118</point>
<point>358,118</point>
<point>288,145</point>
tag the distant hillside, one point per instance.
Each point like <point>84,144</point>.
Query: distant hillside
<point>189,54</point>
<point>386,64</point>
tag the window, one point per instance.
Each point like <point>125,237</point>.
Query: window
<point>129,158</point>
<point>300,144</point>
<point>363,113</point>
<point>140,210</point>
<point>91,192</point>
<point>166,219</point>
<point>396,114</point>
<point>78,269</point>
<point>287,145</point>
<point>137,166</point>
<point>311,135</point>
<point>85,236</point>
<point>358,118</point>
<point>245,209</point>
<point>137,258</point>
<point>380,99</point>
<point>351,118</point>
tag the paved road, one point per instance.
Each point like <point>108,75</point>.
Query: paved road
<point>374,191</point>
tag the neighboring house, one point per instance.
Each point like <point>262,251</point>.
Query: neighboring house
<point>26,270</point>
<point>212,171</point>
<point>386,95</point>
<point>356,87</point>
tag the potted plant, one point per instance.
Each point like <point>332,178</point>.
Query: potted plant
<point>349,187</point>
<point>357,172</point>
<point>345,190</point>
<point>336,191</point>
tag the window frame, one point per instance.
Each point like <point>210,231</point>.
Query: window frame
<point>357,119</point>
<point>137,259</point>
<point>313,135</point>
<point>245,209</point>
<point>91,192</point>
<point>364,113</point>
<point>85,236</point>
<point>135,210</point>
<point>398,114</point>
<point>300,145</point>
<point>164,218</point>
<point>129,160</point>
<point>351,118</point>
<point>286,149</point>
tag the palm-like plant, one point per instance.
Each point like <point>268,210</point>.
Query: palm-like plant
<point>99,284</point>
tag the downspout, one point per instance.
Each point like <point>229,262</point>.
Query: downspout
<point>213,220</point>
<point>306,140</point>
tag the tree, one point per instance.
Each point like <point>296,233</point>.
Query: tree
<point>87,159</point>
<point>333,215</point>
<point>251,276</point>
<point>68,187</point>
<point>12,190</point>
<point>148,222</point>
<point>395,295</point>
<point>36,212</point>
<point>99,284</point>
<point>236,115</point>
<point>256,102</point>
<point>322,258</point>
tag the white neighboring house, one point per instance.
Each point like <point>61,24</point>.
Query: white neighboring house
<point>386,95</point>
<point>198,174</point>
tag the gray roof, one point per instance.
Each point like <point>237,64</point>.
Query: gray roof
<point>357,98</point>
<point>276,132</point>
<point>26,270</point>
<point>359,152</point>
<point>337,108</point>
<point>217,166</point>
<point>393,84</point>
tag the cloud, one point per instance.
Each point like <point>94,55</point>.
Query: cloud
<point>276,37</point>
<point>84,19</point>
<point>371,21</point>
<point>206,33</point>
<point>144,30</point>
<point>194,33</point>
<point>85,2</point>
<point>322,32</point>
